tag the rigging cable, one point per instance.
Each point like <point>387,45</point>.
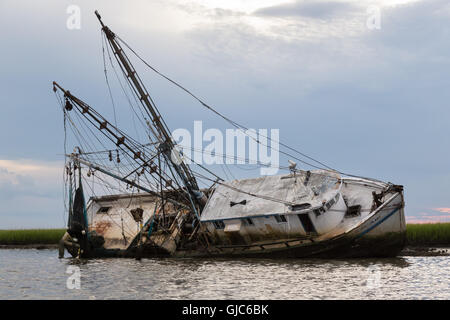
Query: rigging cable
<point>232,122</point>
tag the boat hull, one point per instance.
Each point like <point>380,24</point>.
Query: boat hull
<point>382,233</point>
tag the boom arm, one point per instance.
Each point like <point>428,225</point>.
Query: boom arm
<point>163,133</point>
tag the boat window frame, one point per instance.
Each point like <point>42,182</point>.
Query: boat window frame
<point>353,211</point>
<point>218,224</point>
<point>249,222</point>
<point>301,206</point>
<point>280,218</point>
<point>101,210</point>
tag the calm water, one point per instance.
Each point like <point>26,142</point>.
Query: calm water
<point>39,274</point>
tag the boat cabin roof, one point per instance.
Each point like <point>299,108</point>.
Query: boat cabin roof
<point>305,190</point>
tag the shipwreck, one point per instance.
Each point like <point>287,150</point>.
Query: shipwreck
<point>159,209</point>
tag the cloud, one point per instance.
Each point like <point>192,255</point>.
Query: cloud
<point>431,219</point>
<point>18,177</point>
<point>310,9</point>
<point>444,210</point>
<point>30,193</point>
<point>427,217</point>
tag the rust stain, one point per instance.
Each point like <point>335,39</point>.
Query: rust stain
<point>102,226</point>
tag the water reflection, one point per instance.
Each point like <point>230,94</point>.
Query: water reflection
<point>32,274</point>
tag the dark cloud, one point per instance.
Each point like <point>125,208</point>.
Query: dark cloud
<point>311,9</point>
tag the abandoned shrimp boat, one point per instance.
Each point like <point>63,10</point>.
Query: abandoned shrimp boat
<point>163,211</point>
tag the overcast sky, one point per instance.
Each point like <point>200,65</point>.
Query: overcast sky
<point>365,100</point>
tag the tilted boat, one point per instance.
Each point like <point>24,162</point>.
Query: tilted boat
<point>164,212</point>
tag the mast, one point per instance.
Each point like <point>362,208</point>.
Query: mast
<point>166,144</point>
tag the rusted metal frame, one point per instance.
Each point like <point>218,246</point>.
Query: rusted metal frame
<point>86,109</point>
<point>141,166</point>
<point>120,141</point>
<point>81,104</point>
<point>132,183</point>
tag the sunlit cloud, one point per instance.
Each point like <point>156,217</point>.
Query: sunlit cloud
<point>42,170</point>
<point>294,20</point>
<point>440,219</point>
<point>246,6</point>
<point>433,217</point>
<point>31,192</point>
<point>30,177</point>
<point>445,210</point>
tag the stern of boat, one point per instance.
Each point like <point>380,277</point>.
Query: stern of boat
<point>383,232</point>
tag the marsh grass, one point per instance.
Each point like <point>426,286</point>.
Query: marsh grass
<point>31,236</point>
<point>428,234</point>
<point>417,234</point>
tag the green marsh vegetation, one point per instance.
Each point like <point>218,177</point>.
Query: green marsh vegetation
<point>31,236</point>
<point>417,234</point>
<point>428,234</point>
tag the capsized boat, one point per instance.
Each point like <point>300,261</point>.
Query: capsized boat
<point>323,217</point>
<point>164,212</point>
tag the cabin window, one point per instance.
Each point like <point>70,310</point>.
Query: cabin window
<point>353,211</point>
<point>280,218</point>
<point>301,206</point>
<point>249,221</point>
<point>103,210</point>
<point>330,203</point>
<point>219,224</point>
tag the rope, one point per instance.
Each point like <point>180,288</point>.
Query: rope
<point>242,127</point>
<point>232,122</point>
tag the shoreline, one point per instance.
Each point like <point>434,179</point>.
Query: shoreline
<point>421,239</point>
<point>434,250</point>
<point>38,246</point>
<point>425,251</point>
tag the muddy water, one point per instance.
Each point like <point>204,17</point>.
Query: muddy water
<point>39,274</point>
